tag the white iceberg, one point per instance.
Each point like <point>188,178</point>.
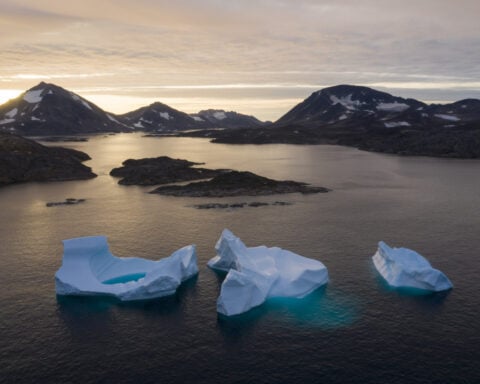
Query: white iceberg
<point>258,273</point>
<point>88,268</point>
<point>404,268</point>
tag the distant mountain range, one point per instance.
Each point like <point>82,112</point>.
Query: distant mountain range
<point>370,120</point>
<point>48,109</point>
<point>344,114</point>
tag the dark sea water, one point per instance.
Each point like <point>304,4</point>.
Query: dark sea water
<point>354,330</point>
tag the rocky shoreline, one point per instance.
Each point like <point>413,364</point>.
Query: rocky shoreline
<point>235,183</point>
<point>160,170</point>
<point>23,160</point>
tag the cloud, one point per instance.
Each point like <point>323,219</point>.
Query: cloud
<point>210,43</point>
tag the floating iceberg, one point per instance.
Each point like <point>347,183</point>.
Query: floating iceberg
<point>88,268</point>
<point>404,268</point>
<point>257,273</point>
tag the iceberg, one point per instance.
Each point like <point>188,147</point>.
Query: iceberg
<point>89,268</point>
<point>405,268</point>
<point>258,273</point>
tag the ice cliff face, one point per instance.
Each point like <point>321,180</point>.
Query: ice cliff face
<point>88,268</point>
<point>404,268</point>
<point>257,273</point>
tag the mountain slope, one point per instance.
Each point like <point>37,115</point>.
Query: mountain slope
<point>218,118</point>
<point>47,109</point>
<point>158,117</point>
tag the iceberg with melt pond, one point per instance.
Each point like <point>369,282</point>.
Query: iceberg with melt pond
<point>405,268</point>
<point>89,268</point>
<point>258,273</point>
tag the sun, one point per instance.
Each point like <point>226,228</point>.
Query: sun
<point>7,94</point>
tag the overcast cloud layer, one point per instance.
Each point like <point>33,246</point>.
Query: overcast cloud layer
<point>258,57</point>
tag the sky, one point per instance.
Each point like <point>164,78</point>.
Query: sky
<point>258,57</point>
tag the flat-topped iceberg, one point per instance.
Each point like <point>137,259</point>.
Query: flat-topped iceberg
<point>88,268</point>
<point>258,273</point>
<point>404,268</point>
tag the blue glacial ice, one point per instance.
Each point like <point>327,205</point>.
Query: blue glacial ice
<point>258,273</point>
<point>89,268</point>
<point>404,268</point>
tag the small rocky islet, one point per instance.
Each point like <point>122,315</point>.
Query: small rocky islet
<point>221,183</point>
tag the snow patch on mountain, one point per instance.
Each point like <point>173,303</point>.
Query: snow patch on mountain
<point>395,124</point>
<point>219,115</point>
<point>392,107</point>
<point>111,118</point>
<point>6,121</point>
<point>33,97</point>
<point>165,115</point>
<point>80,100</point>
<point>11,114</point>
<point>197,118</point>
<point>447,117</point>
<point>346,101</point>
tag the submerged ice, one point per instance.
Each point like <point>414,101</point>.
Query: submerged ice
<point>89,268</point>
<point>258,273</point>
<point>404,268</point>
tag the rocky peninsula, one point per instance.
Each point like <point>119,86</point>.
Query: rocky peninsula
<point>23,160</point>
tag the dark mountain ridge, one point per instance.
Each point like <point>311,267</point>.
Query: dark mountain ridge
<point>47,109</point>
<point>371,120</point>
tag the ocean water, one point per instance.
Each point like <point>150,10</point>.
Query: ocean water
<point>354,330</point>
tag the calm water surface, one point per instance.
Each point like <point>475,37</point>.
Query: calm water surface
<point>355,330</point>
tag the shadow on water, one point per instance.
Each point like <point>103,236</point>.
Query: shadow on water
<point>323,308</point>
<point>74,309</point>
<point>424,299</point>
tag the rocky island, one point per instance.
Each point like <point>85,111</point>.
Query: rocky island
<point>235,183</point>
<point>160,170</point>
<point>24,160</point>
<point>220,183</point>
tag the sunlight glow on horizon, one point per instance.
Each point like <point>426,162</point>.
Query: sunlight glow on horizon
<point>270,106</point>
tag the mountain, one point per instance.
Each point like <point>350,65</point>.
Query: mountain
<point>23,160</point>
<point>344,104</point>
<point>371,120</point>
<point>158,117</point>
<point>47,109</point>
<point>218,118</point>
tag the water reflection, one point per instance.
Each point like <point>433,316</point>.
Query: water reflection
<point>324,308</point>
<point>96,311</point>
<point>423,299</point>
